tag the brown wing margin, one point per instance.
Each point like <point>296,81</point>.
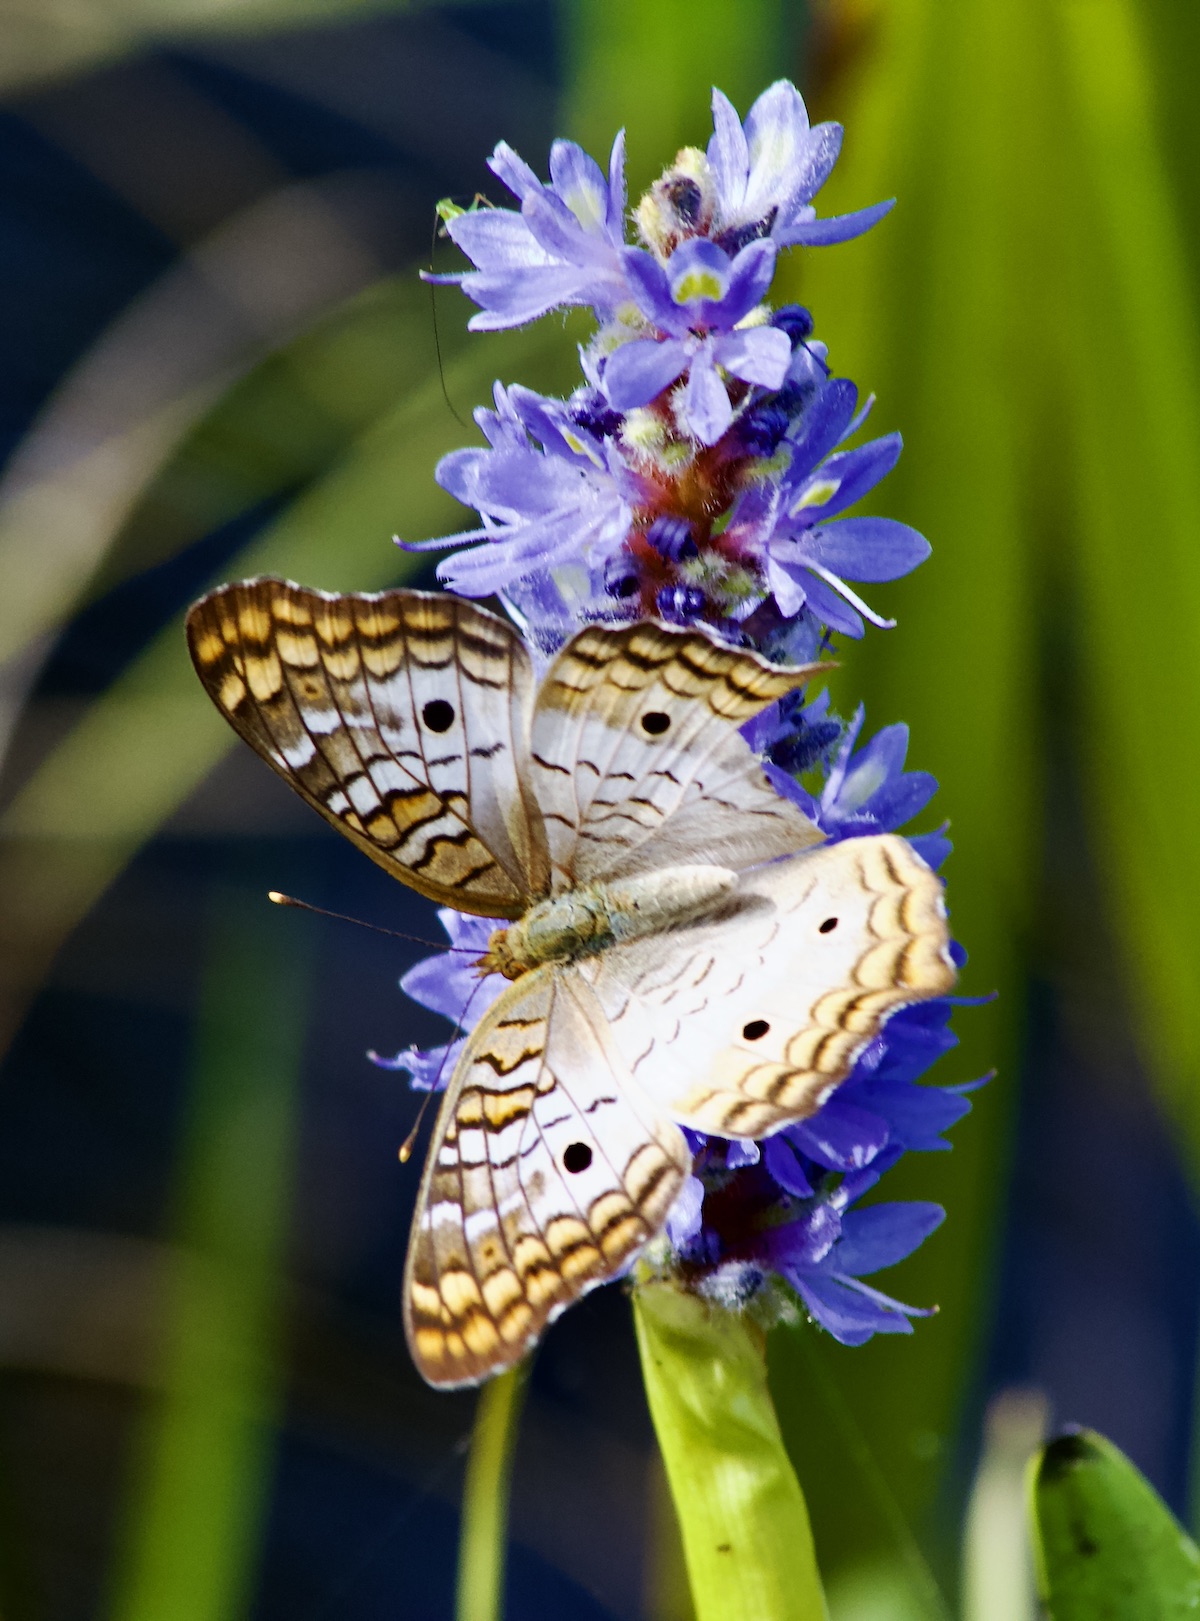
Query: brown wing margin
<point>402,717</point>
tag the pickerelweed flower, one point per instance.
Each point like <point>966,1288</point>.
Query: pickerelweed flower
<point>701,470</point>
<point>704,472</point>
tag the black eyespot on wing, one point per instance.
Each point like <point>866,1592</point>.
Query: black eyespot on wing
<point>438,715</point>
<point>828,926</point>
<point>755,1030</point>
<point>655,722</point>
<point>577,1157</point>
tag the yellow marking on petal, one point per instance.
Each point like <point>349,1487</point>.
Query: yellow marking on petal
<point>817,493</point>
<point>698,284</point>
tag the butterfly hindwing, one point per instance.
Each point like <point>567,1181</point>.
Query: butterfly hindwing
<point>402,717</point>
<point>743,1023</point>
<point>637,759</point>
<point>544,1177</point>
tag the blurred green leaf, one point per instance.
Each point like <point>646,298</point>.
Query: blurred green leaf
<point>203,1458</point>
<point>1107,1547</point>
<point>652,68</point>
<point>930,310</point>
<point>1137,562</point>
<point>229,445</point>
<point>57,38</point>
<point>1021,142</point>
<point>745,1529</point>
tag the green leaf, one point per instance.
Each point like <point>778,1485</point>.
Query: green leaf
<point>743,1519</point>
<point>1107,1547</point>
<point>927,310</point>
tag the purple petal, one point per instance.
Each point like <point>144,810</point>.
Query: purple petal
<point>779,1157</point>
<point>466,931</point>
<point>562,536</point>
<point>819,233</point>
<point>428,1071</point>
<point>857,471</point>
<point>933,848</point>
<point>777,135</point>
<point>867,548</point>
<point>741,1154</point>
<point>652,292</point>
<point>889,807</point>
<point>579,181</point>
<point>873,764</point>
<point>848,1314</point>
<point>512,485</point>
<point>759,355</point>
<point>639,370</point>
<point>828,606</point>
<point>728,155</point>
<point>788,585</point>
<point>804,1242</point>
<point>749,280</point>
<point>615,219</point>
<point>519,296</point>
<point>448,984</point>
<point>884,1234</point>
<point>683,1219</point>
<point>822,425</point>
<point>841,1136</point>
<point>917,1115</point>
<point>496,239</point>
<point>706,411</point>
<point>560,233</point>
<point>788,788</point>
<point>821,152</point>
<point>513,171</point>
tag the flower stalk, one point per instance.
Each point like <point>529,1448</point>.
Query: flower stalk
<point>745,1528</point>
<point>484,1533</point>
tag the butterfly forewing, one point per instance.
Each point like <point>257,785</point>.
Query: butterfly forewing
<point>402,717</point>
<point>742,1024</point>
<point>546,1174</point>
<point>637,760</point>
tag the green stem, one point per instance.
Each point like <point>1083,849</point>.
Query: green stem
<point>485,1499</point>
<point>742,1515</point>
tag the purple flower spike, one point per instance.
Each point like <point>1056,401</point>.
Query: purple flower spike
<point>705,473</point>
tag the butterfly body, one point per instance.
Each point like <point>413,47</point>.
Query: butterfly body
<point>585,921</point>
<point>681,946</point>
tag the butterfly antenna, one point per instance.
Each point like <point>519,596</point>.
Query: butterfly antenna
<point>410,1142</point>
<point>375,928</point>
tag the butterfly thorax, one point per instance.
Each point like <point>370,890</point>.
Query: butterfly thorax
<point>589,919</point>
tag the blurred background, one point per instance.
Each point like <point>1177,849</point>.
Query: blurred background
<point>219,361</point>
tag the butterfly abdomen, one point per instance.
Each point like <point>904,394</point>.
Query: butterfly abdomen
<point>585,921</point>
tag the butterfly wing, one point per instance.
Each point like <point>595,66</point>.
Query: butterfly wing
<point>547,1172</point>
<point>743,1024</point>
<point>637,761</point>
<point>403,717</point>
